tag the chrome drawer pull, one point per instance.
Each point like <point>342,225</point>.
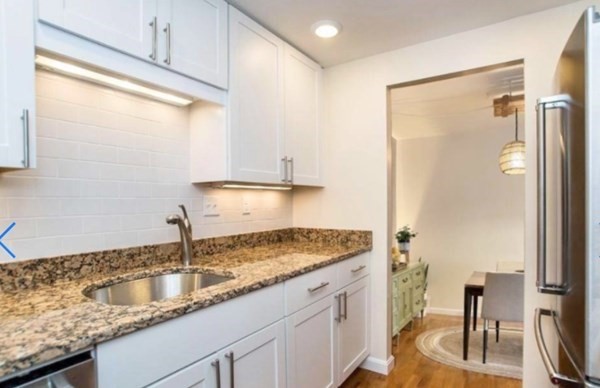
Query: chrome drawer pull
<point>417,287</point>
<point>25,119</point>
<point>167,30</point>
<point>345,305</point>
<point>284,160</point>
<point>217,364</point>
<point>355,270</point>
<point>418,273</point>
<point>339,306</point>
<point>231,370</point>
<point>154,26</point>
<point>404,280</point>
<point>323,284</point>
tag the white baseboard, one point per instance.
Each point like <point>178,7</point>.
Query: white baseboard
<point>443,311</point>
<point>378,365</point>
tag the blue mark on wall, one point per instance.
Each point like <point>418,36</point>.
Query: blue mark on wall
<point>2,236</point>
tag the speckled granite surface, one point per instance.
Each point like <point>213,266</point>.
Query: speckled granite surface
<point>44,314</point>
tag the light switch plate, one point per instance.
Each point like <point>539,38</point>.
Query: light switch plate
<point>211,206</point>
<point>245,206</point>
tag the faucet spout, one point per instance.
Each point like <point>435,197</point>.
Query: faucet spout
<point>185,233</point>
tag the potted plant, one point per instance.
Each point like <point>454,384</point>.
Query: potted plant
<point>403,236</point>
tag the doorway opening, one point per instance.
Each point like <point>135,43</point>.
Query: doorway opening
<point>458,183</point>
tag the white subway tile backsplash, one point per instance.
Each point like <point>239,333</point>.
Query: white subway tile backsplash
<point>55,187</point>
<point>54,148</point>
<point>33,207</point>
<point>111,167</point>
<point>99,224</point>
<point>59,226</point>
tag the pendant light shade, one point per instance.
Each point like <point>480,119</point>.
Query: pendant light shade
<point>512,156</point>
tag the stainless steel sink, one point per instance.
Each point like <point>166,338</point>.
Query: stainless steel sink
<point>153,288</point>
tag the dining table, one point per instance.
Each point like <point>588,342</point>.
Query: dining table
<point>473,290</point>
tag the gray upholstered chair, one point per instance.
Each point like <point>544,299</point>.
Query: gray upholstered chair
<point>502,301</point>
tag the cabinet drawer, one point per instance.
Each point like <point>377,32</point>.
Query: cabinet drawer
<point>418,275</point>
<point>352,269</point>
<point>404,280</point>
<point>309,288</point>
<point>417,302</point>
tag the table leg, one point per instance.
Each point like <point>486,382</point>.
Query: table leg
<point>475,300</point>
<point>467,316</point>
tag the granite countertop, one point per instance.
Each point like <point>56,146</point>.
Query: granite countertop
<point>49,319</point>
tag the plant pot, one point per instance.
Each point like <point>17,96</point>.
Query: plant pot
<point>404,246</point>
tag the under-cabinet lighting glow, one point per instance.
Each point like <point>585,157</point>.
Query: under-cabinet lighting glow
<point>107,80</point>
<point>251,187</point>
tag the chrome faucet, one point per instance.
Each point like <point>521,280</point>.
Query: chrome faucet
<point>185,231</point>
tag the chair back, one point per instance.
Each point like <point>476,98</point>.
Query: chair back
<point>503,296</point>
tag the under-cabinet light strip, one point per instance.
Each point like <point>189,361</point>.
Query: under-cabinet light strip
<point>107,80</point>
<point>252,187</point>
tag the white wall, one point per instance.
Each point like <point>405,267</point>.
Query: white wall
<point>358,145</point>
<point>467,213</point>
<point>111,167</point>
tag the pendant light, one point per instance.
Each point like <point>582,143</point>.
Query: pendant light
<point>512,156</point>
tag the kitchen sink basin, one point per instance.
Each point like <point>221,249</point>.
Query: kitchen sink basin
<point>153,288</point>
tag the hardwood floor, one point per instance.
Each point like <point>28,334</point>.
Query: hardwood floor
<point>415,370</point>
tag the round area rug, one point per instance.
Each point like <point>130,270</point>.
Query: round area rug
<point>504,358</point>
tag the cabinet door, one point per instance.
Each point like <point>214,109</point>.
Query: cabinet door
<point>311,345</point>
<point>257,361</point>
<point>255,101</point>
<point>353,339</point>
<point>302,94</point>
<point>202,374</point>
<point>120,24</point>
<point>197,39</point>
<point>17,84</point>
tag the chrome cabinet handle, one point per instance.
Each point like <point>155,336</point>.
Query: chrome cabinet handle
<point>418,273</point>
<point>154,26</point>
<point>25,120</point>
<point>323,284</point>
<point>285,170</point>
<point>291,177</point>
<point>339,308</point>
<point>345,305</point>
<point>358,269</point>
<point>553,373</point>
<point>167,30</point>
<point>231,369</point>
<point>417,286</point>
<point>404,280</point>
<point>217,364</point>
<point>544,104</point>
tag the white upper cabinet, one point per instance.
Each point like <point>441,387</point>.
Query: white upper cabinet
<point>255,101</point>
<point>302,85</point>
<point>125,25</point>
<point>194,38</point>
<point>186,36</point>
<point>270,133</point>
<point>17,85</point>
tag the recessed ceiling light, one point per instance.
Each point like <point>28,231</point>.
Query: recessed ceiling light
<point>326,28</point>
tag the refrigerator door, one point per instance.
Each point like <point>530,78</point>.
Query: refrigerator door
<point>566,178</point>
<point>592,359</point>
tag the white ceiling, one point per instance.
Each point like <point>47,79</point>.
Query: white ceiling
<point>375,26</point>
<point>454,105</point>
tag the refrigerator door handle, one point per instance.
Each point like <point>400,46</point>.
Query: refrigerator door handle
<point>555,376</point>
<point>544,104</point>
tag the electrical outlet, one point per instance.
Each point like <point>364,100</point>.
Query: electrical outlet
<point>245,206</point>
<point>211,206</point>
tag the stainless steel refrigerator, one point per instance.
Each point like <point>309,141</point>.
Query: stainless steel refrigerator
<point>568,126</point>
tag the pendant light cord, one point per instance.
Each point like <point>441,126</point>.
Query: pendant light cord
<point>516,124</point>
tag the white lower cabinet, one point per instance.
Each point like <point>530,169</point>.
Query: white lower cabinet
<point>311,345</point>
<point>353,329</point>
<point>328,339</point>
<point>308,332</point>
<point>257,361</point>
